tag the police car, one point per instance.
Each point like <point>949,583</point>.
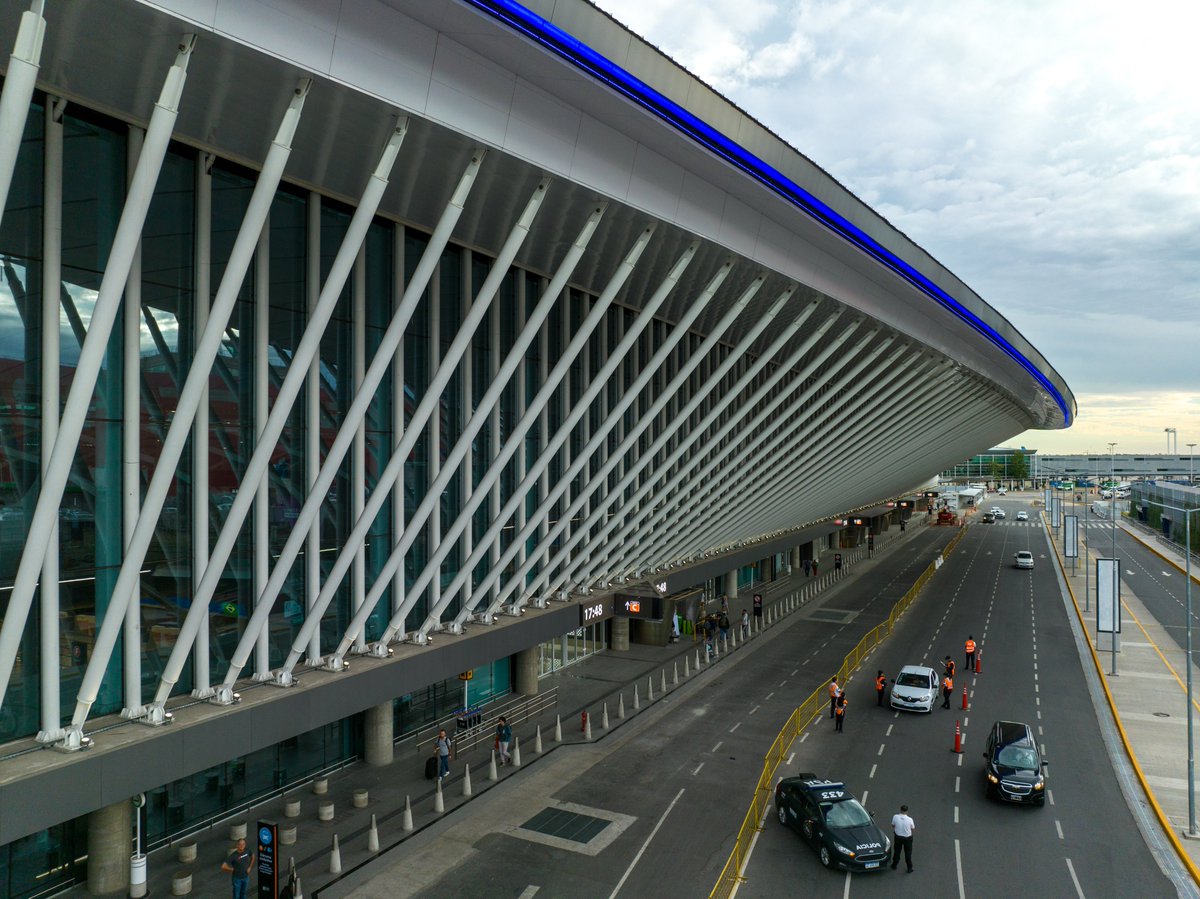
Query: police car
<point>833,822</point>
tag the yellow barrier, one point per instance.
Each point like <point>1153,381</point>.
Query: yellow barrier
<point>731,874</point>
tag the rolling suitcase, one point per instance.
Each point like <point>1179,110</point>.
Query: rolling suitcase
<point>431,767</point>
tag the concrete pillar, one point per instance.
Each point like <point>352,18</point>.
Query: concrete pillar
<point>620,634</point>
<point>525,672</point>
<point>378,732</point>
<point>815,549</point>
<point>109,845</point>
<point>731,585</point>
<point>794,559</point>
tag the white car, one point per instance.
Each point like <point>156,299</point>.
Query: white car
<point>1024,559</point>
<point>1022,515</point>
<point>915,689</point>
<point>997,511</point>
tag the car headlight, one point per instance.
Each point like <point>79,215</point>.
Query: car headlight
<point>992,778</point>
<point>1041,784</point>
<point>843,850</point>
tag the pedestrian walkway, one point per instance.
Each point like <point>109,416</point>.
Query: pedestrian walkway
<point>603,685</point>
<point>1148,693</point>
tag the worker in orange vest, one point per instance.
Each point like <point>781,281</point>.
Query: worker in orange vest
<point>880,684</point>
<point>969,649</point>
<point>949,666</point>
<point>833,694</point>
<point>840,708</point>
<point>947,689</point>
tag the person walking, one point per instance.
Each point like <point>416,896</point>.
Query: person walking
<point>902,830</point>
<point>833,694</point>
<point>808,567</point>
<point>723,624</point>
<point>840,717</point>
<point>947,689</point>
<point>969,651</point>
<point>745,624</point>
<point>814,566</point>
<point>442,747</point>
<point>239,863</point>
<point>503,739</point>
<point>880,686</point>
<point>837,563</point>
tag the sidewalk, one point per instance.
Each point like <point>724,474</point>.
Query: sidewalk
<point>604,681</point>
<point>1148,694</point>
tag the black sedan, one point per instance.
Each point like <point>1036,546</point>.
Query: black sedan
<point>833,822</point>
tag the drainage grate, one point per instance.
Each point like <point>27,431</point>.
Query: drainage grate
<point>566,825</point>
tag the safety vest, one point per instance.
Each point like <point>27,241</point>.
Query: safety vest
<point>947,684</point>
<point>950,667</point>
<point>970,646</point>
<point>840,707</point>
<point>880,682</point>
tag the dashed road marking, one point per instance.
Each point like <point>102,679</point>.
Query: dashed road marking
<point>1074,879</point>
<point>718,746</point>
<point>696,770</point>
<point>735,727</point>
<point>755,709</point>
<point>957,783</point>
<point>881,747</point>
<point>956,814</point>
<point>1058,827</point>
<point>872,774</point>
<point>889,730</point>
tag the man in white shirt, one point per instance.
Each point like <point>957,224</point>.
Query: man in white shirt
<point>902,827</point>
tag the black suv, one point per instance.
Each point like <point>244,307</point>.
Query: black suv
<point>1015,764</point>
<point>833,822</point>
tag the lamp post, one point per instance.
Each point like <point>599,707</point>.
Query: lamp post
<point>1191,456</point>
<point>1112,509</point>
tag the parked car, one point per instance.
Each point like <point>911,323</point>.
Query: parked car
<point>1015,769</point>
<point>914,689</point>
<point>832,822</point>
<point>1022,515</point>
<point>1023,559</point>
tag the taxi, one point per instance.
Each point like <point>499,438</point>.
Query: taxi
<point>832,822</point>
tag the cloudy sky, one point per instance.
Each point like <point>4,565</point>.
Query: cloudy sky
<point>1048,153</point>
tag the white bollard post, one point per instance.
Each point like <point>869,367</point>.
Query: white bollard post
<point>493,774</point>
<point>439,804</point>
<point>637,704</point>
<point>697,659</point>
<point>335,858</point>
<point>373,836</point>
<point>516,752</point>
<point>662,681</point>
<point>649,689</point>
<point>407,822</point>
<point>687,672</point>
<point>621,706</point>
<point>587,729</point>
<point>675,674</point>
<point>466,786</point>
<point>558,728</point>
<point>537,741</point>
<point>604,717</point>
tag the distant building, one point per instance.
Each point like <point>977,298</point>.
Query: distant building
<point>1093,467</point>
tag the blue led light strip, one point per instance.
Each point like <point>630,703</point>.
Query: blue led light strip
<point>569,48</point>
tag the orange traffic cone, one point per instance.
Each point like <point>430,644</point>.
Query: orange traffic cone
<point>979,661</point>
<point>957,738</point>
<point>964,699</point>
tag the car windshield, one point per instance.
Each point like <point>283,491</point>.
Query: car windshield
<point>847,813</point>
<point>912,679</point>
<point>1017,757</point>
<point>1024,555</point>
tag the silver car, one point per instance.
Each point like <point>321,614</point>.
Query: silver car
<point>1023,559</point>
<point>915,689</point>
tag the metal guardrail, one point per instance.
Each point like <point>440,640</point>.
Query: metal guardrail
<point>731,874</point>
<point>515,709</point>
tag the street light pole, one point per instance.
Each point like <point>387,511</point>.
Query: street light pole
<point>1191,457</point>
<point>1187,557</point>
<point>1112,509</point>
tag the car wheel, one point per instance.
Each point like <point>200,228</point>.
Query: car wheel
<point>808,830</point>
<point>826,858</point>
<point>782,815</point>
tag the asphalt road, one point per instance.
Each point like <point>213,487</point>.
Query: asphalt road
<point>676,782</point>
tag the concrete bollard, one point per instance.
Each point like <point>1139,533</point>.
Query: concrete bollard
<point>687,671</point>
<point>716,648</point>
<point>320,786</point>
<point>649,689</point>
<point>287,835</point>
<point>733,639</point>
<point>604,717</point>
<point>325,811</point>
<point>587,729</point>
<point>493,774</point>
<point>637,702</point>
<point>516,750</point>
<point>466,784</point>
<point>361,798</point>
<point>558,728</point>
<point>439,804</point>
<point>181,883</point>
<point>675,674</point>
<point>662,681</point>
<point>335,857</point>
<point>373,836</point>
<point>406,822</point>
<point>621,706</point>
<point>291,808</point>
<point>537,741</point>
<point>697,659</point>
<point>187,851</point>
<point>237,832</point>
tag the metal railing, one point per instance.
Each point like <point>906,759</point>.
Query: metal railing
<point>731,874</point>
<point>515,709</point>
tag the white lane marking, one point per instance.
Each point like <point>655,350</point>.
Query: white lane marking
<point>957,783</point>
<point>965,720</point>
<point>1058,827</point>
<point>880,752</point>
<point>783,683</point>
<point>956,814</point>
<point>960,758</point>
<point>697,770</point>
<point>846,891</point>
<point>863,801</point>
<point>872,774</point>
<point>718,746</point>
<point>1040,734</point>
<point>769,695</point>
<point>1074,879</point>
<point>1039,716</point>
<point>530,891</point>
<point>805,737</point>
<point>889,730</point>
<point>789,759</point>
<point>795,671</point>
<point>641,851</point>
<point>755,709</point>
<point>735,727</point>
<point>962,894</point>
<point>805,662</point>
<point>1050,796</point>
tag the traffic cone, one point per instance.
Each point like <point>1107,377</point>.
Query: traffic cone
<point>373,836</point>
<point>687,671</point>
<point>466,784</point>
<point>979,661</point>
<point>733,638</point>
<point>957,738</point>
<point>335,857</point>
<point>964,698</point>
<point>587,730</point>
<point>697,659</point>
<point>407,821</point>
<point>493,774</point>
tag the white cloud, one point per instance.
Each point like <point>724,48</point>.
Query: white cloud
<point>1048,153</point>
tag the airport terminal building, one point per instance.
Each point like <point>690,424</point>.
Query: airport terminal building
<point>348,347</point>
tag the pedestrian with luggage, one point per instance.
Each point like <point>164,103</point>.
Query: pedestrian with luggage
<point>443,746</point>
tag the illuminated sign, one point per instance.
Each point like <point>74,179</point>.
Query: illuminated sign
<point>591,612</point>
<point>860,521</point>
<point>626,606</point>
